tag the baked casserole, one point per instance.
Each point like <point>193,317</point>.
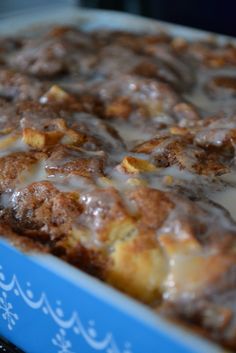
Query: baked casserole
<point>117,154</point>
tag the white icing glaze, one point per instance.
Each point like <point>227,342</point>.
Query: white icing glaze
<point>35,174</point>
<point>229,177</point>
<point>178,173</point>
<point>71,183</point>
<point>130,134</point>
<point>16,145</point>
<point>227,199</point>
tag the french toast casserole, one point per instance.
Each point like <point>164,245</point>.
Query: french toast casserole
<point>117,155</point>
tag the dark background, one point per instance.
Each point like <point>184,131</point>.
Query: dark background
<point>212,15</point>
<point>217,16</point>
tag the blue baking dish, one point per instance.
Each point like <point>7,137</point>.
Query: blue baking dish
<point>46,305</point>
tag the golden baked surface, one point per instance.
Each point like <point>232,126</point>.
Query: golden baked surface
<point>117,154</point>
